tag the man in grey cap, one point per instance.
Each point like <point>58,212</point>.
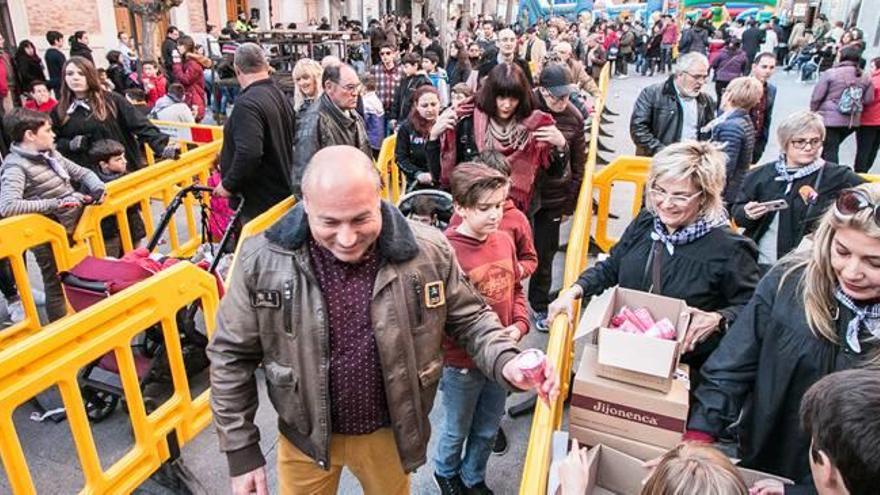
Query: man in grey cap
<point>556,197</point>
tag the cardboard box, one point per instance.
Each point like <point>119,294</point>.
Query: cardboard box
<point>639,359</point>
<point>589,437</point>
<point>612,472</point>
<point>625,410</point>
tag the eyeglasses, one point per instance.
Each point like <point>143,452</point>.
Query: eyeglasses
<point>674,199</point>
<point>351,88</point>
<point>852,201</point>
<point>802,143</point>
<point>698,77</point>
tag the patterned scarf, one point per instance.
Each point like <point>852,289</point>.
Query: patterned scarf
<point>784,174</point>
<point>868,315</point>
<point>688,234</point>
<point>76,104</point>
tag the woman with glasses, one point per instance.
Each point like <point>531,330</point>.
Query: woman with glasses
<point>815,313</point>
<point>500,118</point>
<point>681,245</point>
<point>801,178</point>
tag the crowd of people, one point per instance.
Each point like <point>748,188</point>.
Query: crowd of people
<point>357,314</point>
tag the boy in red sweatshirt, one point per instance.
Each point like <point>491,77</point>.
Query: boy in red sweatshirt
<point>473,403</point>
<point>514,222</point>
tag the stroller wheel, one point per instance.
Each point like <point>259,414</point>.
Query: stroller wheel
<point>99,404</point>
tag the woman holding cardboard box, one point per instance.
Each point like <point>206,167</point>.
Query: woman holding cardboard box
<point>681,246</point>
<point>816,312</point>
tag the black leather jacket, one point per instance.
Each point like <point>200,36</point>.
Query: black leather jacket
<point>657,117</point>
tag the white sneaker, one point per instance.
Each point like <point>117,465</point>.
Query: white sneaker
<point>16,312</point>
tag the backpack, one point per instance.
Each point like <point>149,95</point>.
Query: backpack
<point>850,102</point>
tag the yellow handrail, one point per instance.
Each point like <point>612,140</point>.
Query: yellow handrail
<point>560,348</point>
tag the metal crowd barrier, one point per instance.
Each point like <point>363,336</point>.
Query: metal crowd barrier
<point>188,135</point>
<point>17,235</point>
<point>161,181</point>
<point>393,182</point>
<point>632,169</point>
<point>54,356</point>
<point>560,348</point>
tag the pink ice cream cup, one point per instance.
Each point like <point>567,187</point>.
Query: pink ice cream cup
<point>531,365</point>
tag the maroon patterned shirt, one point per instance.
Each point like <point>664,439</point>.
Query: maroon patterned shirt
<point>387,82</point>
<point>357,390</point>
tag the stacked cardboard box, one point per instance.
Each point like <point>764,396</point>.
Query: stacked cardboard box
<point>630,393</point>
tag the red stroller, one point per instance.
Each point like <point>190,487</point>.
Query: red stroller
<point>95,279</point>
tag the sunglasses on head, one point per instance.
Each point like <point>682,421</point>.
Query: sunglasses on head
<point>852,201</point>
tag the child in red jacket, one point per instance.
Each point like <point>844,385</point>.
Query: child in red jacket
<point>154,83</point>
<point>514,222</point>
<point>474,404</point>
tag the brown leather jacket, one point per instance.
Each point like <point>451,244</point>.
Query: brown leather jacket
<point>273,313</point>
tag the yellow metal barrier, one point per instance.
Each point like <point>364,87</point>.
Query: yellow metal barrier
<point>188,135</point>
<point>17,235</point>
<point>560,348</point>
<point>54,356</point>
<point>871,177</point>
<point>633,169</point>
<point>161,181</point>
<point>393,182</point>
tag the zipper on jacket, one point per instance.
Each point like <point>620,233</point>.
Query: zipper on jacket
<point>288,307</point>
<point>417,288</point>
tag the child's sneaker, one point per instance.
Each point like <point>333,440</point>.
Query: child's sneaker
<point>541,323</point>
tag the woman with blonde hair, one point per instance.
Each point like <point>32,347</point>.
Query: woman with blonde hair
<point>681,245</point>
<point>816,312</point>
<point>734,129</point>
<point>688,469</point>
<point>307,76</point>
<point>694,469</point>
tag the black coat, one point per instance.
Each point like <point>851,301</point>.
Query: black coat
<point>799,219</point>
<point>409,152</point>
<point>168,47</point>
<point>54,63</point>
<point>751,41</point>
<point>695,39</point>
<point>257,156</point>
<point>560,193</point>
<point>402,102</point>
<point>737,134</point>
<point>128,127</point>
<point>28,70</point>
<point>717,272</point>
<point>657,117</point>
<point>78,49</point>
<point>771,355</point>
<point>456,74</point>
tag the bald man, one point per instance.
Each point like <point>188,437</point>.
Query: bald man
<point>506,44</point>
<point>345,304</point>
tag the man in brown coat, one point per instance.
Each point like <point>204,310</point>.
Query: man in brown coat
<point>345,304</point>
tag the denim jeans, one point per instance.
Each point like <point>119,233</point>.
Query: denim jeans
<point>665,57</point>
<point>473,405</point>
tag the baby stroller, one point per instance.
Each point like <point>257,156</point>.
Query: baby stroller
<point>421,201</point>
<point>95,279</point>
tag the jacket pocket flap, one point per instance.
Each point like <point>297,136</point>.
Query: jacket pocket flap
<point>279,375</point>
<point>430,374</point>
